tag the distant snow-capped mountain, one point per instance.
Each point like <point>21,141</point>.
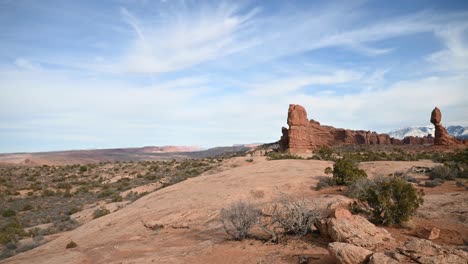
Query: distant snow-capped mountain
<point>421,131</point>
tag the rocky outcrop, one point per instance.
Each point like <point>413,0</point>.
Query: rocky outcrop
<point>411,140</point>
<point>304,135</point>
<point>345,253</point>
<point>358,231</point>
<point>356,240</point>
<point>381,258</point>
<point>425,252</point>
<point>441,136</point>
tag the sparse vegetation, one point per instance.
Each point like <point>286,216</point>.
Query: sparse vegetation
<point>294,216</point>
<point>285,215</point>
<point>389,200</point>
<point>443,173</point>
<point>35,195</point>
<point>72,244</point>
<point>279,156</point>
<point>100,212</point>
<point>345,172</point>
<point>238,219</point>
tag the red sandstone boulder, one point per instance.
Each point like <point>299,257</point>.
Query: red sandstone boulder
<point>345,253</point>
<point>297,116</point>
<point>436,116</point>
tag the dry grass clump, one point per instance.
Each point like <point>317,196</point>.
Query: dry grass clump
<point>284,216</point>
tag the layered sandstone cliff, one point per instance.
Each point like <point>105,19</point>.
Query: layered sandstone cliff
<point>305,135</point>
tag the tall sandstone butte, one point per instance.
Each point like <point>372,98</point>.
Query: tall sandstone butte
<point>304,135</point>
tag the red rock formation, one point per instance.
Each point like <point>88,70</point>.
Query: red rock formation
<point>305,135</point>
<point>441,137</point>
<point>411,140</point>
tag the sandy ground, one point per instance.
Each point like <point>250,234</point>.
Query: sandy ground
<point>190,210</point>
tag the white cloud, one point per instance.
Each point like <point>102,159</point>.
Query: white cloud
<point>26,64</point>
<point>289,84</point>
<point>187,38</point>
<point>454,56</point>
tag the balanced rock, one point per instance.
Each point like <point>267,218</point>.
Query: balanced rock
<point>441,137</point>
<point>345,253</point>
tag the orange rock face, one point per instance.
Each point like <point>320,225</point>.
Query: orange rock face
<point>304,135</point>
<point>441,137</point>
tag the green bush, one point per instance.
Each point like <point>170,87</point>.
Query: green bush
<point>27,207</point>
<point>8,212</point>
<point>391,200</point>
<point>11,231</point>
<point>280,156</point>
<point>324,153</point>
<point>71,245</point>
<point>433,183</point>
<point>100,212</point>
<point>325,182</point>
<point>345,172</point>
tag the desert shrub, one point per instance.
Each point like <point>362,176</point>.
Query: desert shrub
<point>11,231</point>
<point>74,210</point>
<point>325,182</point>
<point>47,192</point>
<point>410,178</point>
<point>444,173</point>
<point>294,216</point>
<point>8,212</point>
<point>238,219</point>
<point>105,193</point>
<point>100,212</point>
<point>83,168</point>
<point>116,198</point>
<point>359,188</point>
<point>27,207</point>
<point>433,183</point>
<point>279,156</point>
<point>390,200</point>
<point>346,172</point>
<point>324,153</point>
<point>459,183</point>
<point>249,160</point>
<point>72,244</point>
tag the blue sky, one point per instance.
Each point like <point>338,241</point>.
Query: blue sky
<point>129,73</point>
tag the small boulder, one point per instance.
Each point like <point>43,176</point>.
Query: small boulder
<point>345,253</point>
<point>358,231</point>
<point>322,227</point>
<point>381,258</point>
<point>339,213</point>
<point>429,233</point>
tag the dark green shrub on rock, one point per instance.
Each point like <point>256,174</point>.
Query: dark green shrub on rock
<point>345,172</point>
<point>392,200</point>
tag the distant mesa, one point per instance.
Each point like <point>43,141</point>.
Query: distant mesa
<point>304,135</point>
<point>170,149</point>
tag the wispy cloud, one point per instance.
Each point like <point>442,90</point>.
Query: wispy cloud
<point>188,37</point>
